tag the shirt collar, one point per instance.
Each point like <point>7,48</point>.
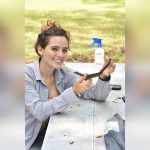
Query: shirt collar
<point>58,76</point>
<point>37,70</point>
<point>58,73</point>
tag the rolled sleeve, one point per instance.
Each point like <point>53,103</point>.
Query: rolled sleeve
<point>42,109</point>
<point>99,92</point>
<point>102,90</point>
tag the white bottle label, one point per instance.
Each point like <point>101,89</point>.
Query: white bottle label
<point>99,59</point>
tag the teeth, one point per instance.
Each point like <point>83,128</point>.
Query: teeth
<point>58,61</point>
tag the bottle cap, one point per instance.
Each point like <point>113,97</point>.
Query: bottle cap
<point>97,41</point>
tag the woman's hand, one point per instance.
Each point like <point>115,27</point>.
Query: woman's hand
<point>81,85</point>
<point>109,70</point>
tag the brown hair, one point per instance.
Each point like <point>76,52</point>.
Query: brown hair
<point>48,30</point>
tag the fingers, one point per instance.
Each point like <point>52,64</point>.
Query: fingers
<point>85,81</point>
<point>82,78</point>
<point>81,85</point>
<point>111,65</point>
<point>106,60</point>
<point>87,84</point>
<point>110,69</point>
<point>114,67</point>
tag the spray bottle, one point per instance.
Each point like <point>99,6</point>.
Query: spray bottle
<point>99,54</point>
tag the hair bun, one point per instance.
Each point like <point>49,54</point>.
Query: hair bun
<point>48,25</point>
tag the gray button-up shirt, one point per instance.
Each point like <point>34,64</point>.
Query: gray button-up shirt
<point>38,107</point>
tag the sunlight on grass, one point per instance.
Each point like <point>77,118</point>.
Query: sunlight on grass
<point>83,19</point>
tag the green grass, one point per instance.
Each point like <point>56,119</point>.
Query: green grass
<point>83,19</point>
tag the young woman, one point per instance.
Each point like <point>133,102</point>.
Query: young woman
<point>50,87</point>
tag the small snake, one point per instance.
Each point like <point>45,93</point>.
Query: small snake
<point>93,75</point>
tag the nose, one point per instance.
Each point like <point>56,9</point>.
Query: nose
<point>60,53</point>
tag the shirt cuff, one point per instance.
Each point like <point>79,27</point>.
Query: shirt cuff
<point>107,79</point>
<point>69,96</point>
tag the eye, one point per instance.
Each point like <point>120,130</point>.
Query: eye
<point>55,49</point>
<point>65,50</point>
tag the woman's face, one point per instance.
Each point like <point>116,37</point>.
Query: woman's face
<point>55,53</point>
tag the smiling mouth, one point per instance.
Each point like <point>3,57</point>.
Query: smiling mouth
<point>58,61</point>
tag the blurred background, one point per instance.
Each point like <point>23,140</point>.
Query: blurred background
<point>20,22</point>
<point>137,74</point>
<point>11,75</point>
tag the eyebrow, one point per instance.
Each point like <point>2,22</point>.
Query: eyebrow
<point>59,47</point>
